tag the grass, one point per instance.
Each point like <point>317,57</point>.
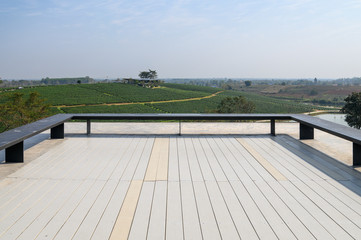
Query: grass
<point>89,94</point>
<point>92,97</point>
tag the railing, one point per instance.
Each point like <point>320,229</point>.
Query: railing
<point>12,141</point>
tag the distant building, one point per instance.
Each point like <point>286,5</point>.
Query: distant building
<point>147,83</point>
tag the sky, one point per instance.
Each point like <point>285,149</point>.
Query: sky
<point>180,38</point>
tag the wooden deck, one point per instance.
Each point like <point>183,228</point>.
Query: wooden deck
<point>189,187</point>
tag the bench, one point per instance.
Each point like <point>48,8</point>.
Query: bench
<point>12,140</point>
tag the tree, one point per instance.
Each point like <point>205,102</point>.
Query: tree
<point>150,74</point>
<point>352,109</point>
<point>248,83</point>
<point>235,105</point>
<point>313,92</point>
<point>17,111</point>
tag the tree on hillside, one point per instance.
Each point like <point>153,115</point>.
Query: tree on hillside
<point>150,74</point>
<point>235,105</point>
<point>248,83</point>
<point>352,109</point>
<point>18,111</point>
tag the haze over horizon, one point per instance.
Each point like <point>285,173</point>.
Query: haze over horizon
<point>180,38</point>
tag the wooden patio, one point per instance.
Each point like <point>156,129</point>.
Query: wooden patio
<point>181,187</point>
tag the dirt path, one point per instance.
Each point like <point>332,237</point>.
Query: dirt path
<point>152,102</point>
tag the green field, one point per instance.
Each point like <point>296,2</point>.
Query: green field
<point>92,98</point>
<point>89,94</point>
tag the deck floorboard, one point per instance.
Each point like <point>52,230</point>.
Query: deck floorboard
<point>181,187</point>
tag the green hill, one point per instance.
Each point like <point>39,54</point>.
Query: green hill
<point>169,98</point>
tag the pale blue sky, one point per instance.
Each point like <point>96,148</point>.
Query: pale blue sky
<point>180,38</point>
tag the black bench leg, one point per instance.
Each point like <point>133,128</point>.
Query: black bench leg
<point>356,154</point>
<point>273,127</point>
<point>15,153</point>
<point>57,132</point>
<point>88,126</point>
<point>306,132</point>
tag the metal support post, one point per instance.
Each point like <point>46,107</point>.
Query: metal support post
<point>306,132</point>
<point>356,153</point>
<point>15,153</point>
<point>273,127</point>
<point>88,126</point>
<point>57,132</point>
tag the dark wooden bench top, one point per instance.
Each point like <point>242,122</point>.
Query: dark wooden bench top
<point>180,116</point>
<point>348,133</point>
<point>19,134</point>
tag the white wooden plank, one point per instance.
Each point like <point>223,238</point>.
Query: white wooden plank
<point>173,168</point>
<point>272,170</point>
<point>263,173</point>
<point>94,214</point>
<point>292,159</point>
<point>158,162</point>
<point>222,161</point>
<point>21,208</point>
<point>117,150</point>
<point>134,160</point>
<point>347,226</point>
<point>191,224</point>
<point>242,160</point>
<point>123,224</point>
<point>48,159</point>
<point>224,219</point>
<point>348,187</point>
<point>71,164</point>
<point>348,197</point>
<point>317,230</point>
<point>264,231</point>
<point>53,226</point>
<point>296,226</point>
<point>174,225</point>
<point>241,174</point>
<point>162,170</point>
<point>274,220</point>
<point>141,218</point>
<point>144,159</point>
<point>277,160</point>
<point>12,198</point>
<point>329,224</point>
<point>109,217</point>
<point>240,218</point>
<point>156,229</point>
<point>119,169</point>
<point>41,221</point>
<point>184,172</point>
<point>202,160</point>
<point>212,160</point>
<point>66,163</point>
<point>99,160</point>
<point>207,219</point>
<point>7,184</point>
<point>349,210</point>
<point>22,223</point>
<point>15,204</point>
<point>195,170</point>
